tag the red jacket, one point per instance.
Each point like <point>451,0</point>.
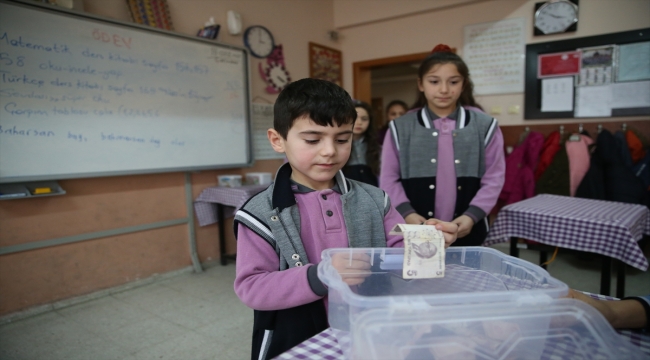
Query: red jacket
<point>520,166</point>
<point>550,148</point>
<point>635,145</point>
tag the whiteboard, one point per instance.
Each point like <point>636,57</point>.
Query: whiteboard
<point>82,96</point>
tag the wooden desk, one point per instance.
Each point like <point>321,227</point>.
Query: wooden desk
<point>216,203</point>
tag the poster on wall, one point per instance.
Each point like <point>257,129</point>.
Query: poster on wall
<point>634,62</point>
<point>557,94</point>
<point>593,101</point>
<point>558,64</point>
<point>597,66</point>
<point>262,119</point>
<point>494,53</point>
<point>325,63</point>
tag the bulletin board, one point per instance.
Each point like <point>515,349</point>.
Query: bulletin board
<point>596,76</point>
<point>85,96</point>
<point>325,63</point>
<point>494,55</point>
<point>262,121</point>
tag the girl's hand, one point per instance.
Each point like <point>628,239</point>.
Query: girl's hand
<point>449,230</point>
<point>353,269</point>
<point>414,218</point>
<point>465,224</point>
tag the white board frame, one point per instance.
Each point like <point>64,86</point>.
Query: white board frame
<point>58,11</point>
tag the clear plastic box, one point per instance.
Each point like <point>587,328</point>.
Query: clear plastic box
<point>559,329</point>
<point>474,278</point>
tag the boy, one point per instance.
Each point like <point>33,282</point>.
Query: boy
<point>311,207</point>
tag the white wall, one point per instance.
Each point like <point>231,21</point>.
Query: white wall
<point>379,36</point>
<point>294,23</point>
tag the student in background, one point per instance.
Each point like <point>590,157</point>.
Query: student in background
<point>445,160</point>
<point>310,207</point>
<point>363,164</point>
<point>394,109</point>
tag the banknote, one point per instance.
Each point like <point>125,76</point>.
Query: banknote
<point>424,251</point>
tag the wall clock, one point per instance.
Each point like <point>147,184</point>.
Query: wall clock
<point>275,73</point>
<point>259,41</point>
<point>278,77</point>
<point>555,17</point>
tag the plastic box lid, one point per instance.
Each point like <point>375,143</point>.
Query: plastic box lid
<point>559,329</point>
<point>474,276</point>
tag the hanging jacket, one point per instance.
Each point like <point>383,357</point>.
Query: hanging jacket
<point>555,180</point>
<point>549,149</point>
<point>578,154</point>
<point>635,146</point>
<point>641,136</point>
<point>608,177</point>
<point>622,148</point>
<point>642,170</point>
<point>520,170</point>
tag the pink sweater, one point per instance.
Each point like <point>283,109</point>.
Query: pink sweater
<point>491,182</point>
<point>261,286</point>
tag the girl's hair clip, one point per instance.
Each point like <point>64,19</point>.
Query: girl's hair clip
<point>441,48</point>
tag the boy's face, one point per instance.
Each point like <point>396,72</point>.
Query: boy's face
<point>316,153</point>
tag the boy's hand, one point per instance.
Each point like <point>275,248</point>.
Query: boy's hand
<point>449,230</point>
<point>353,270</point>
<point>465,224</point>
<point>414,218</point>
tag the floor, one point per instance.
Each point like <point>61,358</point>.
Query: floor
<point>195,316</point>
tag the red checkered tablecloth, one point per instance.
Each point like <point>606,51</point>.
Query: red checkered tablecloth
<point>604,227</point>
<point>205,206</point>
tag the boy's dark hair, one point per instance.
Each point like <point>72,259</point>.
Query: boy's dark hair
<point>324,102</point>
<point>373,150</point>
<point>447,57</point>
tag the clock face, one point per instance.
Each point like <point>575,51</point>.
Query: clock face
<point>556,17</point>
<point>278,76</point>
<point>259,41</point>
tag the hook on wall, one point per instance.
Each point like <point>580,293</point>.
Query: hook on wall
<point>580,128</point>
<point>624,126</point>
<point>600,128</point>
